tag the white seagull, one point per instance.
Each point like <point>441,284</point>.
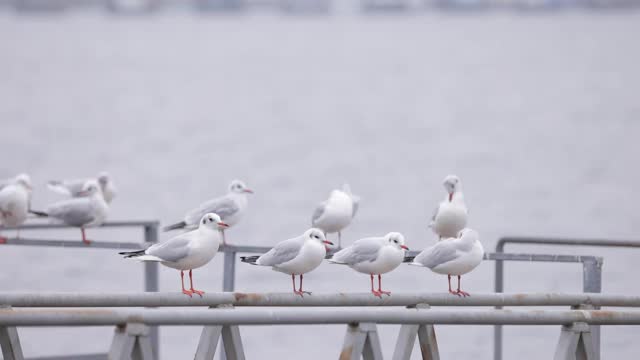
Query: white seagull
<point>451,215</point>
<point>456,256</point>
<point>186,251</point>
<point>88,210</point>
<point>374,256</point>
<point>296,256</point>
<point>15,197</point>
<point>229,207</point>
<point>73,187</point>
<point>336,213</point>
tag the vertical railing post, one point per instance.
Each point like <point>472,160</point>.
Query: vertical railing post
<point>229,273</point>
<point>499,287</point>
<point>592,283</point>
<point>151,283</point>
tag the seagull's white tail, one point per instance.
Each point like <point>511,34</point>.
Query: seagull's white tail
<point>148,258</point>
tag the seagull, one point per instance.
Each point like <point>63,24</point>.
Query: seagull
<point>73,187</point>
<point>229,207</point>
<point>374,256</point>
<point>456,256</point>
<point>15,198</point>
<point>295,256</point>
<point>88,210</point>
<point>336,213</point>
<point>186,251</point>
<point>451,215</point>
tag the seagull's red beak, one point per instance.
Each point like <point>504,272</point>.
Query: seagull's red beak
<point>327,242</point>
<point>248,191</point>
<point>224,225</point>
<point>404,247</point>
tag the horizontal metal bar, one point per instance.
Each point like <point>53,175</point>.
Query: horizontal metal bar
<point>75,244</point>
<point>290,316</point>
<point>555,241</point>
<point>74,357</point>
<point>290,299</point>
<point>541,257</point>
<point>39,226</point>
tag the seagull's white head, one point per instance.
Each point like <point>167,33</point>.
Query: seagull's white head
<point>239,187</point>
<point>24,180</point>
<point>315,234</point>
<point>90,188</point>
<point>103,178</point>
<point>213,221</point>
<point>396,240</point>
<point>452,184</point>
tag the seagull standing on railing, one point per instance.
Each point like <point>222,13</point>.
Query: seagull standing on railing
<point>336,213</point>
<point>296,256</point>
<point>229,207</point>
<point>87,210</point>
<point>456,256</point>
<point>451,215</point>
<point>73,187</point>
<point>186,251</point>
<point>374,256</point>
<point>15,197</point>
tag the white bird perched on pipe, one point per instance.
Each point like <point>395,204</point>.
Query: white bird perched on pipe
<point>229,207</point>
<point>186,251</point>
<point>296,256</point>
<point>73,187</point>
<point>336,213</point>
<point>451,214</point>
<point>374,256</point>
<point>15,197</point>
<point>87,210</point>
<point>455,256</point>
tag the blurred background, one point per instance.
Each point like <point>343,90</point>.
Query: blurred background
<point>533,103</point>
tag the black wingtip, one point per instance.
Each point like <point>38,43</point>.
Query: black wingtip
<point>180,225</point>
<point>130,254</point>
<point>39,213</point>
<point>249,259</point>
<point>408,259</point>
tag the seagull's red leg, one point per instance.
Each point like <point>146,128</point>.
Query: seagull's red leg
<point>293,281</point>
<point>84,237</point>
<point>184,291</point>
<point>451,291</point>
<point>374,291</point>
<point>194,291</point>
<point>300,290</point>
<point>3,240</point>
<point>460,292</point>
<point>380,286</point>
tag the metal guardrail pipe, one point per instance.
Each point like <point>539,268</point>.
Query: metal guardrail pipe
<point>36,226</point>
<point>103,317</point>
<point>50,300</point>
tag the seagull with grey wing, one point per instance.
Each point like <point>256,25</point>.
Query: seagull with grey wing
<point>88,210</point>
<point>15,197</point>
<point>456,256</point>
<point>451,214</point>
<point>229,207</point>
<point>336,213</point>
<point>186,251</point>
<point>73,187</point>
<point>374,256</point>
<point>296,256</point>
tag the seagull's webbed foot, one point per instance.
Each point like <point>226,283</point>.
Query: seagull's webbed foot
<point>463,293</point>
<point>187,292</point>
<point>199,292</point>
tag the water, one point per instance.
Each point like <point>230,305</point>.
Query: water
<point>538,115</point>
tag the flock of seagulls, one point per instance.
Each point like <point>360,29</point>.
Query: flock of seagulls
<point>457,251</point>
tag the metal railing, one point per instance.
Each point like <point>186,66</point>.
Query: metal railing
<point>592,272</point>
<point>362,313</point>
<point>150,236</point>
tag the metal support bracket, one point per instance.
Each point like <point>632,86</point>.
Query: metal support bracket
<point>10,341</point>
<point>131,341</point>
<point>426,337</point>
<point>228,334</point>
<point>575,343</point>
<point>361,339</point>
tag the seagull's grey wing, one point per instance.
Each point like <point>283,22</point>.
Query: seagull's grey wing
<point>362,250</point>
<point>282,252</point>
<point>74,212</point>
<point>173,249</point>
<point>224,206</point>
<point>442,252</point>
<point>435,214</point>
<point>318,212</point>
